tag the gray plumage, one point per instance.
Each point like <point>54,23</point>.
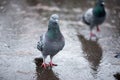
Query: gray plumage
<point>95,16</point>
<point>52,41</point>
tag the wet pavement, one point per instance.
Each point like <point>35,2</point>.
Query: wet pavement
<point>23,21</point>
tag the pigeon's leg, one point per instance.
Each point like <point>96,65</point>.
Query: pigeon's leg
<point>51,63</point>
<point>92,34</point>
<point>44,65</point>
<point>98,29</point>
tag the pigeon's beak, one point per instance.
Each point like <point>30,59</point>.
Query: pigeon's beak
<point>57,20</point>
<point>103,3</point>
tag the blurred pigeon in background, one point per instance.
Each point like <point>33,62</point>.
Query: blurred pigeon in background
<point>95,16</point>
<point>52,41</point>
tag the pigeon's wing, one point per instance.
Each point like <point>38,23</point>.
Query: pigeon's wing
<point>88,16</point>
<point>63,43</point>
<point>40,43</point>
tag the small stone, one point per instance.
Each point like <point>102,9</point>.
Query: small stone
<point>1,7</point>
<point>117,55</point>
<point>6,45</point>
<point>113,21</point>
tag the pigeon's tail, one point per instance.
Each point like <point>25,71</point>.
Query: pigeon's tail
<point>39,46</point>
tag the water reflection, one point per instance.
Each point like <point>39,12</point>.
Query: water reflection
<point>92,50</point>
<point>117,76</point>
<point>44,74</point>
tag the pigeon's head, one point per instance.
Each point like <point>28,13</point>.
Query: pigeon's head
<point>54,18</point>
<point>101,2</point>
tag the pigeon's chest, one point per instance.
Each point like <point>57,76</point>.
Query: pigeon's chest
<point>98,20</point>
<point>54,45</point>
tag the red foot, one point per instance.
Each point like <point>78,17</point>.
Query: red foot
<point>92,35</point>
<point>98,29</point>
<point>44,65</point>
<point>52,64</point>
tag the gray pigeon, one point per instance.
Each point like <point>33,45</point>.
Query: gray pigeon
<point>52,41</point>
<point>95,16</point>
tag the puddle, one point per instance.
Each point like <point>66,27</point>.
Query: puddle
<point>117,76</point>
<point>92,51</point>
<point>44,74</point>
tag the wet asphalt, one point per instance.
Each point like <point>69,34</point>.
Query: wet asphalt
<point>23,21</point>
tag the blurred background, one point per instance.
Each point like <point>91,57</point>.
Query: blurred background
<point>23,21</point>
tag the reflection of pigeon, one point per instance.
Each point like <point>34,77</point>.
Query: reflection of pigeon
<point>52,41</point>
<point>95,16</point>
<point>118,55</point>
<point>117,76</point>
<point>41,74</point>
